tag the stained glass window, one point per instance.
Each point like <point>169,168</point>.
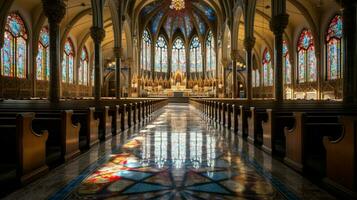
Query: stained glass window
<point>334,48</point>
<point>210,56</point>
<point>286,63</point>
<point>256,78</point>
<point>306,58</point>
<point>14,52</point>
<point>178,56</point>
<point>83,67</point>
<point>161,51</point>
<point>268,76</point>
<point>43,55</point>
<point>146,52</point>
<point>196,56</point>
<point>68,62</point>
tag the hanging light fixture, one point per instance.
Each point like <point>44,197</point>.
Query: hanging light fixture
<point>177,5</point>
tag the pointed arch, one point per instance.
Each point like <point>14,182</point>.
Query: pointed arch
<point>196,64</point>
<point>68,62</point>
<point>15,50</point>
<point>161,55</point>
<point>145,54</point>
<point>178,55</point>
<point>210,55</point>
<point>43,55</point>
<point>334,49</point>
<point>307,69</point>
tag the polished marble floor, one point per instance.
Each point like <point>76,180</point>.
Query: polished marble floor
<point>178,155</point>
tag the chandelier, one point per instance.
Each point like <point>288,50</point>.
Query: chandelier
<point>177,5</point>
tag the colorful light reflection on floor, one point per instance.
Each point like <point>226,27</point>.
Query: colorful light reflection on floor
<point>164,163</point>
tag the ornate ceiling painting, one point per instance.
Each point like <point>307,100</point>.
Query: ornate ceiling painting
<point>195,17</point>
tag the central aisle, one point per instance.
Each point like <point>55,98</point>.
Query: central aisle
<point>177,156</point>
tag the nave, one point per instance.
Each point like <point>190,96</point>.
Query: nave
<point>180,154</point>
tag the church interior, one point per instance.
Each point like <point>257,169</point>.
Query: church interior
<point>178,99</point>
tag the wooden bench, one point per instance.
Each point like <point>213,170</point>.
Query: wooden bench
<point>63,134</point>
<point>89,133</point>
<point>341,157</point>
<point>23,151</point>
<point>105,125</point>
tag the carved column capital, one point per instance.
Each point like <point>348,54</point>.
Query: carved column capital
<point>54,10</point>
<point>249,43</point>
<point>278,23</point>
<point>97,34</point>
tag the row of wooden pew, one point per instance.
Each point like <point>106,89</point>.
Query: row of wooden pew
<point>321,143</point>
<point>40,137</point>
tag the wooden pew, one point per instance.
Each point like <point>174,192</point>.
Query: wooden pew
<point>63,135</point>
<point>234,119</point>
<point>228,115</point>
<point>116,122</point>
<point>124,117</point>
<point>23,151</point>
<point>105,125</point>
<point>341,157</point>
<point>242,122</point>
<point>304,148</point>
<point>89,132</point>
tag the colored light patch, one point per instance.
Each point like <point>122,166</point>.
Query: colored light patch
<point>210,188</point>
<point>217,176</point>
<point>132,144</point>
<point>133,175</point>
<point>145,187</point>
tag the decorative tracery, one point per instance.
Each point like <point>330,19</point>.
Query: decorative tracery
<point>146,52</point>
<point>334,48</point>
<point>43,55</point>
<point>68,62</point>
<point>306,58</point>
<point>268,76</point>
<point>161,52</point>
<point>178,56</point>
<point>83,67</point>
<point>14,52</point>
<point>210,56</point>
<point>196,56</point>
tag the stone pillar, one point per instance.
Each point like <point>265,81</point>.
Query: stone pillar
<point>249,44</point>
<point>234,74</point>
<point>117,53</point>
<point>349,44</point>
<point>97,35</point>
<point>278,23</point>
<point>54,11</point>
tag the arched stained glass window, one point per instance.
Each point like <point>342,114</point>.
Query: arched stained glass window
<point>196,56</point>
<point>256,78</point>
<point>146,51</point>
<point>43,55</point>
<point>68,62</point>
<point>210,56</point>
<point>306,58</point>
<point>286,63</point>
<point>83,67</point>
<point>178,56</point>
<point>161,59</point>
<point>334,48</point>
<point>14,52</point>
<point>268,76</point>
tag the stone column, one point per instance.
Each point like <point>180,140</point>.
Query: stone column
<point>278,23</point>
<point>249,44</point>
<point>234,74</point>
<point>97,34</point>
<point>349,44</point>
<point>54,11</point>
<point>117,53</point>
